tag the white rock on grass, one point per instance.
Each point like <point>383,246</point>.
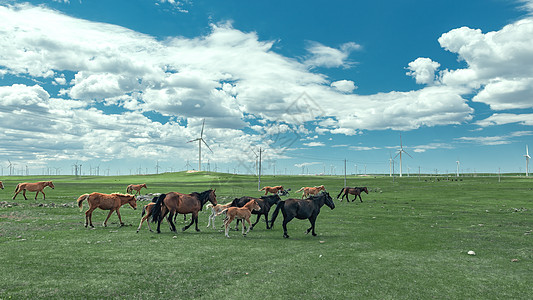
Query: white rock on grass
<point>471,252</point>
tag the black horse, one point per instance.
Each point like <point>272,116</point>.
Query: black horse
<point>265,202</point>
<point>302,209</point>
<point>352,191</point>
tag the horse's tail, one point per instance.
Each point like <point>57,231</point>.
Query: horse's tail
<point>262,189</point>
<point>303,187</point>
<point>156,210</point>
<point>342,190</point>
<point>281,205</point>
<point>17,188</point>
<point>80,200</point>
<point>222,212</point>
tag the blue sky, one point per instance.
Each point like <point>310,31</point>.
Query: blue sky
<point>124,85</point>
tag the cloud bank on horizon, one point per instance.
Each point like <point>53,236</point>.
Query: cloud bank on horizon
<point>87,90</point>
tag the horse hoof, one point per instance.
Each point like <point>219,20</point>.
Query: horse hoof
<point>286,236</point>
<point>183,229</point>
<point>314,234</point>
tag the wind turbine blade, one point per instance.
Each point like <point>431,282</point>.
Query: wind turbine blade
<point>193,140</point>
<point>407,153</point>
<point>401,144</point>
<point>206,145</point>
<point>397,154</point>
<point>202,132</point>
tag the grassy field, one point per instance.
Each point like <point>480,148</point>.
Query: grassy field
<point>408,240</point>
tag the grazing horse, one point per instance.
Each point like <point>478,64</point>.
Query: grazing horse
<point>174,202</point>
<point>273,189</point>
<point>352,191</point>
<point>215,209</point>
<point>32,187</point>
<point>265,202</point>
<point>135,187</point>
<point>1,185</point>
<point>240,213</point>
<point>111,202</point>
<point>302,209</point>
<point>307,191</point>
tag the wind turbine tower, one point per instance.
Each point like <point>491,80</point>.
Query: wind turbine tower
<point>527,161</point>
<point>400,151</point>
<point>458,163</point>
<point>200,140</point>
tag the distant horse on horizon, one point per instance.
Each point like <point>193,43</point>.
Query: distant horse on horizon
<point>352,191</point>
<point>135,187</point>
<point>32,187</point>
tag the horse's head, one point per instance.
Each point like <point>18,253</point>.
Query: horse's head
<point>365,189</point>
<point>50,184</point>
<point>133,202</point>
<point>144,185</point>
<point>328,201</point>
<point>213,197</point>
<point>254,205</point>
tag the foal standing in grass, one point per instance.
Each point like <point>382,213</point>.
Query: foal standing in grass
<point>240,213</point>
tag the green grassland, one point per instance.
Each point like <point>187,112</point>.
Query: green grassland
<point>408,240</point>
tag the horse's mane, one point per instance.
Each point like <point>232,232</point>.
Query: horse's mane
<point>121,195</point>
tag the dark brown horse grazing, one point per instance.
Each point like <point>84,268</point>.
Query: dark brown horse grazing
<point>352,191</point>
<point>111,202</point>
<point>135,187</point>
<point>265,202</point>
<point>172,203</point>
<point>32,187</point>
<point>302,209</point>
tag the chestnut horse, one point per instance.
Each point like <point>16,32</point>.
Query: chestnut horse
<point>352,191</point>
<point>240,213</point>
<point>307,191</point>
<point>174,202</point>
<point>32,187</point>
<point>111,202</point>
<point>1,185</point>
<point>302,209</point>
<point>135,187</point>
<point>273,189</point>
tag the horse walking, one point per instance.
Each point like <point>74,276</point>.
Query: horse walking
<point>302,209</point>
<point>352,191</point>
<point>265,202</point>
<point>135,187</point>
<point>173,202</point>
<point>307,191</point>
<point>111,202</point>
<point>215,209</point>
<point>273,189</point>
<point>32,187</point>
<point>240,213</point>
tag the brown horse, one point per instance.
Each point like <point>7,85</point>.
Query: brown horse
<point>135,187</point>
<point>308,191</point>
<point>1,185</point>
<point>32,187</point>
<point>173,202</point>
<point>240,213</point>
<point>111,202</point>
<point>273,189</point>
<point>352,191</point>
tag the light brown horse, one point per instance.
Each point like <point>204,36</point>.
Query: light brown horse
<point>111,202</point>
<point>174,202</point>
<point>135,187</point>
<point>240,213</point>
<point>308,191</point>
<point>272,189</point>
<point>1,185</point>
<point>146,213</point>
<point>32,187</point>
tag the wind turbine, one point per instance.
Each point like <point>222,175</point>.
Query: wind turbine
<point>400,154</point>
<point>390,164</point>
<point>200,140</point>
<point>527,161</point>
<point>458,163</point>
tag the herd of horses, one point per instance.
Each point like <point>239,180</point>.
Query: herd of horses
<point>240,209</point>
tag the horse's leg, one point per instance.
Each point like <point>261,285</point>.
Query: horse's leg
<point>226,227</point>
<point>249,226</point>
<point>89,216</point>
<point>256,221</point>
<point>108,215</point>
<point>142,220</point>
<point>195,216</point>
<point>190,224</point>
<point>284,224</point>
<point>266,219</point>
<point>312,220</point>
<point>119,218</point>
<point>169,219</point>
<point>24,194</point>
<point>361,199</point>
